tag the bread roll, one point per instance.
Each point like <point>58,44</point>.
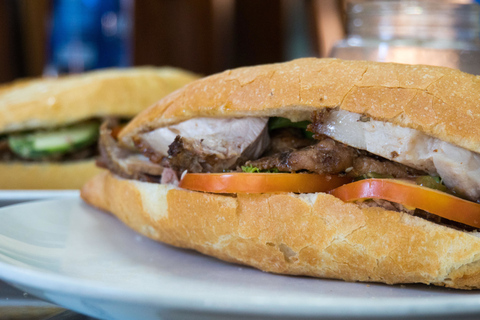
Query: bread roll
<point>46,175</point>
<point>309,234</point>
<point>52,102</point>
<point>439,101</point>
<point>315,235</point>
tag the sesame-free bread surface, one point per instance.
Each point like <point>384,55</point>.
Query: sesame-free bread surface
<point>52,102</point>
<point>315,235</point>
<point>441,102</point>
<point>46,175</point>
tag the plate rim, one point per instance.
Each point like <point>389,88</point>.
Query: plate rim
<point>36,194</point>
<point>460,303</point>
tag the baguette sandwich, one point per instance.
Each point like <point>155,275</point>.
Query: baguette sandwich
<point>49,127</point>
<point>352,170</point>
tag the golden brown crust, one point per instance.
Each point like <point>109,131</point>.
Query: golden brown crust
<point>441,102</point>
<point>312,234</point>
<point>58,175</point>
<point>50,102</point>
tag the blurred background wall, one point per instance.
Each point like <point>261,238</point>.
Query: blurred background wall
<point>204,36</point>
<point>208,36</point>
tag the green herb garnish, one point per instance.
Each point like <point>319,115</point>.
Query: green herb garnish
<point>373,175</point>
<point>279,123</point>
<point>431,182</point>
<point>252,169</point>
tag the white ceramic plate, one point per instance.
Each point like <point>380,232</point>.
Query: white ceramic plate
<point>9,197</point>
<point>83,259</point>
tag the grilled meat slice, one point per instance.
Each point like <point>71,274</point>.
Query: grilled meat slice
<point>185,154</point>
<point>286,139</point>
<point>182,156</point>
<point>326,156</point>
<point>124,162</point>
<point>365,164</point>
<point>331,157</point>
<point>206,144</point>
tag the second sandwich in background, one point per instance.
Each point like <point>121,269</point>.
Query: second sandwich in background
<point>49,127</point>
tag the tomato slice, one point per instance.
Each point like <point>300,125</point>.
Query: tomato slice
<point>241,182</point>
<point>408,194</point>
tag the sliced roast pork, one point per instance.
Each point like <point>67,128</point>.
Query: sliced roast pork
<point>206,144</point>
<point>458,167</point>
<point>122,162</point>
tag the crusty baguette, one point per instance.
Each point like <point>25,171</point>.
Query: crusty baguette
<point>441,102</point>
<point>46,175</point>
<point>51,102</point>
<point>312,234</point>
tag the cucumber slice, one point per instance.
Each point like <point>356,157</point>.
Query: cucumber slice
<point>47,143</point>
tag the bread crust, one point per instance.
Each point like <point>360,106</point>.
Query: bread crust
<point>52,102</point>
<point>315,235</point>
<point>46,175</point>
<point>441,102</point>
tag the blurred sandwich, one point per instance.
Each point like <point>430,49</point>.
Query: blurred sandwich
<point>49,126</point>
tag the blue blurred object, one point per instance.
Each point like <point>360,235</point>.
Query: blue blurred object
<point>89,34</point>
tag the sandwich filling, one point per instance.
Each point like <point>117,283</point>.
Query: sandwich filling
<point>458,168</point>
<point>70,143</point>
<point>336,142</point>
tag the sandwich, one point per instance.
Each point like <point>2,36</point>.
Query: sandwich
<point>352,170</point>
<point>49,126</point>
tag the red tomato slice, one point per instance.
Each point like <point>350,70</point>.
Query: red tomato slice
<point>433,201</point>
<point>240,182</point>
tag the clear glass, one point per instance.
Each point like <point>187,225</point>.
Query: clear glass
<point>442,33</point>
